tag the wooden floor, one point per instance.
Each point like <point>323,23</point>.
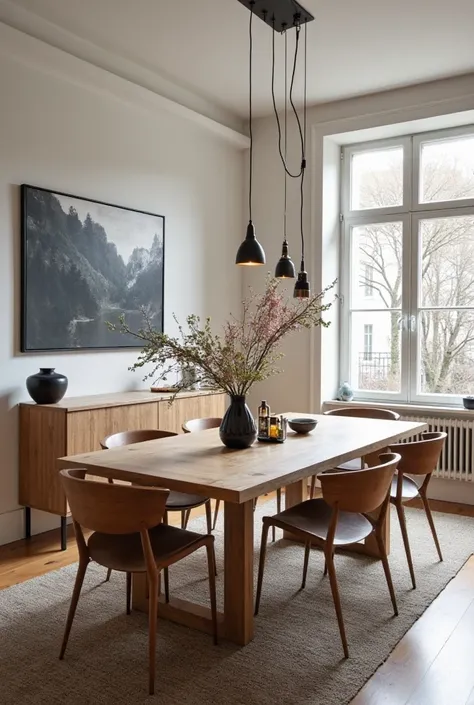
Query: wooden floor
<point>431,665</point>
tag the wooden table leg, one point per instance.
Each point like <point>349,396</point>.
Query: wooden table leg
<point>238,572</point>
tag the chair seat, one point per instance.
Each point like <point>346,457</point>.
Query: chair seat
<point>314,517</point>
<point>182,500</point>
<point>124,551</point>
<point>409,488</point>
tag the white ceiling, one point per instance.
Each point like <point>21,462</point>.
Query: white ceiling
<point>201,46</point>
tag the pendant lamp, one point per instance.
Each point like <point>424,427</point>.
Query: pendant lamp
<point>302,288</point>
<point>285,269</point>
<point>250,252</point>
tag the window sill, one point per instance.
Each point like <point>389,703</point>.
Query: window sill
<point>404,409</point>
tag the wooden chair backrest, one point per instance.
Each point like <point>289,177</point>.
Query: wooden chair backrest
<point>360,491</point>
<point>125,438</point>
<point>194,425</point>
<point>420,457</point>
<point>364,412</point>
<point>110,508</point>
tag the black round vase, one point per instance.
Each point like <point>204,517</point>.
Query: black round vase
<point>238,429</point>
<point>46,386</point>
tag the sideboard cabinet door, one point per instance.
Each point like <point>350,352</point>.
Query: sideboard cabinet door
<point>172,417</point>
<point>86,429</point>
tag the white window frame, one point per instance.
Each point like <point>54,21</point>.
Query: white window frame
<point>409,214</point>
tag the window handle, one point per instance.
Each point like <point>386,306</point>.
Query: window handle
<point>402,323</point>
<point>412,324</point>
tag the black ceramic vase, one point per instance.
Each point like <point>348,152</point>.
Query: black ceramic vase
<point>46,386</point>
<point>238,429</point>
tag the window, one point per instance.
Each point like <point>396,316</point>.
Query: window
<point>407,272</point>
<point>368,332</point>
<point>368,280</point>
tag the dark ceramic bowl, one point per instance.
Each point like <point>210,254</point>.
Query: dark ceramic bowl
<point>302,425</point>
<point>468,402</point>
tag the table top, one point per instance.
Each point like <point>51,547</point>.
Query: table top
<point>101,401</point>
<point>199,463</point>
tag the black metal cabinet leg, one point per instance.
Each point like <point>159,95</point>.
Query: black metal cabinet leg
<point>27,522</point>
<point>63,533</point>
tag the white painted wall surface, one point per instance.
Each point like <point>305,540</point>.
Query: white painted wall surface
<point>58,133</point>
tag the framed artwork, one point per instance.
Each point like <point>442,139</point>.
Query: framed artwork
<point>84,263</point>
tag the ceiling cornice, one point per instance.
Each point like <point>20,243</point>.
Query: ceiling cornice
<point>175,97</point>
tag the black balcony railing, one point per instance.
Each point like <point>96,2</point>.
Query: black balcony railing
<point>374,368</point>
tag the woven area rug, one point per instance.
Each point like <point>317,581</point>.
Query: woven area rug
<point>295,658</point>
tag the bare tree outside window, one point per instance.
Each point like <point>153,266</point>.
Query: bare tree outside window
<point>445,275</point>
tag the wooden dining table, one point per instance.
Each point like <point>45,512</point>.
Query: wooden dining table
<point>198,463</point>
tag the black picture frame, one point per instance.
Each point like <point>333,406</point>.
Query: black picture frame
<point>74,276</point>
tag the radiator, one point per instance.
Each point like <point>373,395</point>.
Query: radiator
<point>457,458</point>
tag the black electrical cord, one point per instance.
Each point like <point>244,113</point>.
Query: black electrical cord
<point>282,157</point>
<point>250,110</point>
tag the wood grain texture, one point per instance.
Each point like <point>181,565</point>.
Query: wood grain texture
<point>238,572</point>
<point>432,664</point>
<point>99,401</point>
<point>42,441</point>
<point>199,463</point>
<point>78,425</point>
<point>172,417</point>
<point>86,429</point>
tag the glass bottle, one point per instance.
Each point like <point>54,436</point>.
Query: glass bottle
<point>263,419</point>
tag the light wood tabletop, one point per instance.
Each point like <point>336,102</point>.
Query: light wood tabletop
<point>199,463</point>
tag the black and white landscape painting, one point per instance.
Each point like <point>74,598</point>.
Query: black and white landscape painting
<point>84,264</point>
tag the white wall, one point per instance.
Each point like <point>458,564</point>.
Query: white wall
<point>311,363</point>
<point>71,130</point>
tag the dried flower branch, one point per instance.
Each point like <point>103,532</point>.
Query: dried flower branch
<point>246,352</point>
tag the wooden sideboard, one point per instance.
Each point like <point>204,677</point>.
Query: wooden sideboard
<point>77,425</point>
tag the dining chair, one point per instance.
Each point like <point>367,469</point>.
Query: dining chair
<point>213,422</point>
<point>358,412</point>
<point>417,458</point>
<point>343,516</point>
<point>176,501</point>
<point>194,425</point>
<point>129,536</point>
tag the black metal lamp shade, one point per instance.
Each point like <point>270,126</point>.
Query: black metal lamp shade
<point>302,289</point>
<point>285,268</point>
<point>250,252</point>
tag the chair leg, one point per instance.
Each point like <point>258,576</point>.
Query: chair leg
<point>129,592</point>
<point>406,543</point>
<point>109,573</point>
<point>278,495</point>
<point>261,565</point>
<point>313,487</point>
<point>183,519</point>
<point>152,623</point>
<point>81,571</point>
<point>216,513</point>
<point>326,564</point>
<point>211,565</point>
<point>307,549</point>
<point>337,600</point>
<point>166,581</point>
<point>208,516</point>
<point>186,519</point>
<point>429,516</point>
<point>386,568</point>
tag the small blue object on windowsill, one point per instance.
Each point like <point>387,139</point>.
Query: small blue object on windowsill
<point>345,392</point>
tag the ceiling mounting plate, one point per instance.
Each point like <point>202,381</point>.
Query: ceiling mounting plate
<point>279,14</point>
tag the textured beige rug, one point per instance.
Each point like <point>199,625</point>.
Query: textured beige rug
<point>296,655</point>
